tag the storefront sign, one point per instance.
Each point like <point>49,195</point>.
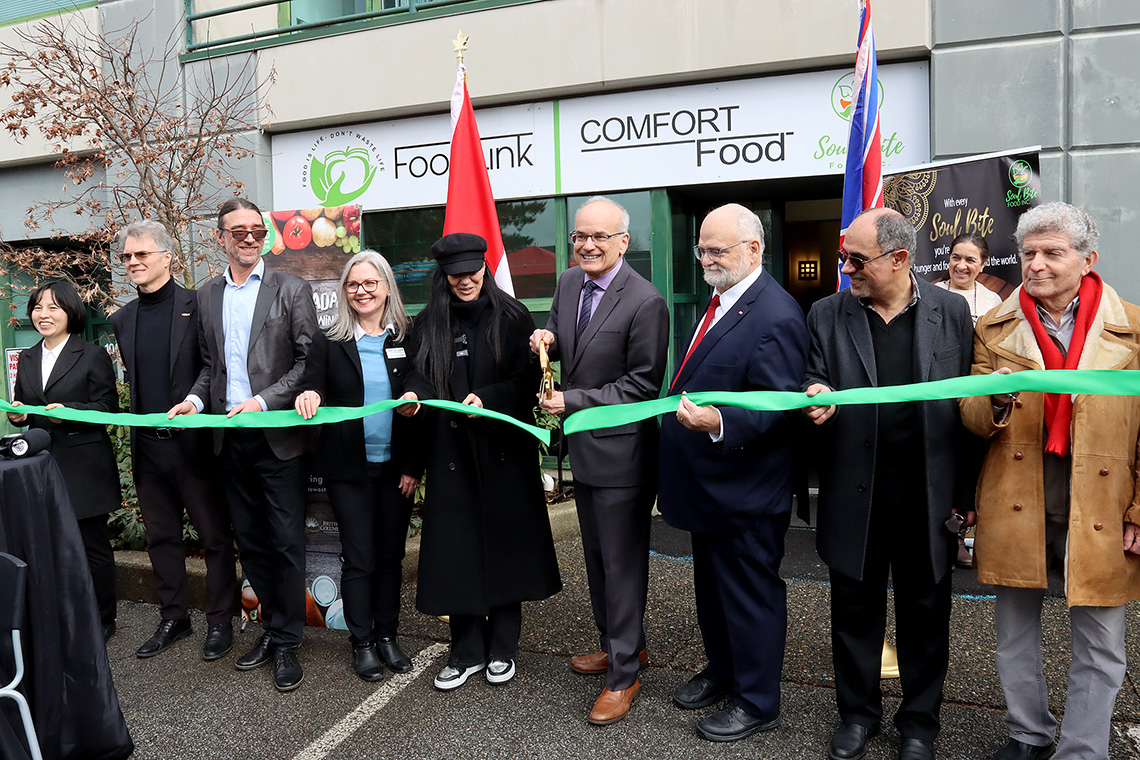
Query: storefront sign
<point>770,127</point>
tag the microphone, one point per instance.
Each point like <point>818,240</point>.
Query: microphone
<point>19,445</point>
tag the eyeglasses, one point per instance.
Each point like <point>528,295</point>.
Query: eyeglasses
<point>599,238</point>
<point>141,256</point>
<point>714,254</point>
<point>236,234</point>
<point>369,286</point>
<point>858,261</point>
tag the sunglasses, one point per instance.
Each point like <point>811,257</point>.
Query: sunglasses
<point>858,261</point>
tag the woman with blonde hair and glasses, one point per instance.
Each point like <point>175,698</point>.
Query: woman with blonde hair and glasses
<point>370,466</point>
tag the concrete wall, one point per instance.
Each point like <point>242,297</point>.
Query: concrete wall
<point>1059,73</point>
<point>568,47</point>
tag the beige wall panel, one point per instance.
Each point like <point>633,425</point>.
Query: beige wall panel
<point>566,47</point>
<point>34,148</point>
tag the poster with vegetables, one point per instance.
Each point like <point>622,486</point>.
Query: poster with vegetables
<point>314,244</point>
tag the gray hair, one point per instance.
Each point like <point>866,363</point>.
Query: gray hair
<point>344,325</point>
<point>147,228</point>
<point>1059,217</point>
<point>615,204</point>
<point>893,231</point>
<point>749,226</point>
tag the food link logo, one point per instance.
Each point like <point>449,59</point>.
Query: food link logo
<point>343,174</point>
<point>708,130</point>
<point>509,151</point>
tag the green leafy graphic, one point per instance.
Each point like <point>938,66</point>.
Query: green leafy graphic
<point>329,176</point>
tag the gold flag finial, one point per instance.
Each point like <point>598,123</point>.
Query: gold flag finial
<point>459,44</point>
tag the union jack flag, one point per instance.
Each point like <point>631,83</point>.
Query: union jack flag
<point>863,173</point>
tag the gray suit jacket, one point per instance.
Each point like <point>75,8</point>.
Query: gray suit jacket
<point>284,324</point>
<point>621,359</point>
<point>843,356</point>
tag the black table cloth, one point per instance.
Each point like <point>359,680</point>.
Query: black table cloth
<point>68,678</point>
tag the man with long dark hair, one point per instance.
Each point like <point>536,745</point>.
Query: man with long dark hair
<point>256,326</point>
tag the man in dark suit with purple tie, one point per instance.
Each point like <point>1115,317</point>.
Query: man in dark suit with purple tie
<point>725,476</point>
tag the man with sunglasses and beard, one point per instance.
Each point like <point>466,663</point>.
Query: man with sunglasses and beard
<point>891,476</point>
<point>256,326</point>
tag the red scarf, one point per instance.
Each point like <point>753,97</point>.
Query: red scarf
<point>1059,407</point>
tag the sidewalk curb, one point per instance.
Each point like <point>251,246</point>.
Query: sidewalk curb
<point>134,579</point>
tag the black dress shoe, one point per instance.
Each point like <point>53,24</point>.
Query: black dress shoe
<point>733,723</point>
<point>699,691</point>
<point>366,662</point>
<point>261,653</point>
<point>849,742</point>
<point>168,632</point>
<point>108,630</point>
<point>219,641</point>
<point>916,749</point>
<point>1015,750</point>
<point>287,673</point>
<point>393,656</point>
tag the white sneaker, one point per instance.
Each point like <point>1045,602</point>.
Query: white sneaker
<point>452,677</point>
<point>500,671</point>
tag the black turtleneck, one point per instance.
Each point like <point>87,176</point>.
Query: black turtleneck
<point>467,314</point>
<point>152,349</point>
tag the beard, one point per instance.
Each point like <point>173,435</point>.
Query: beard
<point>722,278</point>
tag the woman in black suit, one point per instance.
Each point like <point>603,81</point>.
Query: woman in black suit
<point>63,370</point>
<point>486,544</point>
<point>371,467</point>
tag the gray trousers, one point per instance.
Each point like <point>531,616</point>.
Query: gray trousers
<point>1095,676</point>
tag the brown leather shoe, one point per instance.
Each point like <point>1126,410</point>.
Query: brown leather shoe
<point>613,705</point>
<point>599,662</point>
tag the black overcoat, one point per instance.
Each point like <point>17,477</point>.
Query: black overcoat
<point>82,378</point>
<point>486,533</point>
<point>843,356</point>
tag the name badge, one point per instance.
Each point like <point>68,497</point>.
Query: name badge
<point>395,353</point>
<point>461,353</point>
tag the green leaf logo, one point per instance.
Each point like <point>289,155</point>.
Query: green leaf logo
<point>343,176</point>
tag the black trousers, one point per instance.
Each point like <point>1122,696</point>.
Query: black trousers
<point>171,480</point>
<point>476,639</point>
<point>742,611</point>
<point>266,497</point>
<point>101,563</point>
<point>615,540</point>
<point>897,546</point>
<point>373,518</point>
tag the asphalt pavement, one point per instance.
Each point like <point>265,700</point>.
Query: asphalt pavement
<point>178,706</point>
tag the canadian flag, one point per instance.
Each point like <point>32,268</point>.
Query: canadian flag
<point>470,204</point>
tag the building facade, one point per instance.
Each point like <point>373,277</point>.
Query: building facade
<point>671,107</point>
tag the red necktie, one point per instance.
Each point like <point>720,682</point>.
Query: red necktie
<point>713,304</point>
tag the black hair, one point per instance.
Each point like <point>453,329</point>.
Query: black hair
<point>975,239</point>
<point>67,299</point>
<point>437,328</point>
<point>233,204</point>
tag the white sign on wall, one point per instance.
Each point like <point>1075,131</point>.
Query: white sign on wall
<point>774,127</point>
<point>403,163</point>
<point>770,127</point>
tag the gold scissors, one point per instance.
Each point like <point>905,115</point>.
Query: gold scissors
<point>546,389</point>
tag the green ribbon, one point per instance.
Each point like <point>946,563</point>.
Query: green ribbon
<point>275,419</point>
<point>1103,382</point>
<point>1096,382</point>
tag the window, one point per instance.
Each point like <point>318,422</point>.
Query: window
<point>23,10</point>
<point>405,237</point>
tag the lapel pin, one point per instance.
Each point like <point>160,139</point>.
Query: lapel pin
<point>185,313</point>
<point>740,313</point>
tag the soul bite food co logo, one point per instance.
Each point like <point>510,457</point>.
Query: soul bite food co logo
<point>833,148</point>
<point>340,167</point>
<point>1021,177</point>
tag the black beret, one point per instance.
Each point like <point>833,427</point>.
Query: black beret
<point>459,253</point>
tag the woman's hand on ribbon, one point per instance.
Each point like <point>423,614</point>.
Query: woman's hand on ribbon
<point>307,404</point>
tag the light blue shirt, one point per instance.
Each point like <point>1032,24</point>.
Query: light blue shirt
<point>238,302</point>
<point>377,387</point>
